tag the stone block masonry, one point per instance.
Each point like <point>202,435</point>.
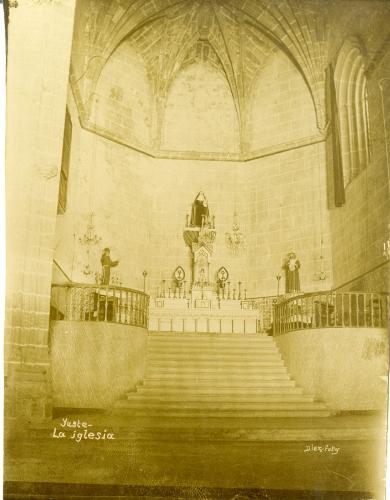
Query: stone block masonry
<point>37,81</point>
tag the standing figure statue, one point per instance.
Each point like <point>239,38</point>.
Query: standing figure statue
<point>107,264</point>
<point>291,266</point>
<point>200,211</point>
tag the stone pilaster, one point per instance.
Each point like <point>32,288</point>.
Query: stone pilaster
<point>39,46</point>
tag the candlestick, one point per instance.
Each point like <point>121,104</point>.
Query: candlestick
<point>278,277</point>
<point>144,274</point>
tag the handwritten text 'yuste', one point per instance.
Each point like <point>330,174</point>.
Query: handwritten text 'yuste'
<point>78,430</point>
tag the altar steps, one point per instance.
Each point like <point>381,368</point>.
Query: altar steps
<point>231,391</point>
<point>217,384</point>
<point>217,375</point>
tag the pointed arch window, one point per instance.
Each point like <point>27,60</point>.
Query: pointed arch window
<point>63,189</point>
<point>351,94</point>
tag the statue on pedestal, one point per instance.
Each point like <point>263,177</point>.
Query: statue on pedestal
<point>107,264</point>
<point>201,265</point>
<point>200,211</point>
<point>291,266</point>
<point>199,235</point>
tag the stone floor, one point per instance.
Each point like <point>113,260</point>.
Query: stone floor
<point>191,458</point>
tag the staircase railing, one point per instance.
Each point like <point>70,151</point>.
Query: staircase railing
<point>331,310</point>
<point>265,307</point>
<point>114,304</point>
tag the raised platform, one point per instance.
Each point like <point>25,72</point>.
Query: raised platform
<point>209,315</point>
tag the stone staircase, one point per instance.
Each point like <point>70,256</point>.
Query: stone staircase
<point>217,375</point>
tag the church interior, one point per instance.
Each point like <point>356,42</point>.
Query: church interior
<point>198,248</point>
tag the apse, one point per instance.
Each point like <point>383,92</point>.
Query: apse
<point>200,113</point>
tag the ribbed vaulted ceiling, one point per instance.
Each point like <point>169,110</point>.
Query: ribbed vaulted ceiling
<point>235,37</point>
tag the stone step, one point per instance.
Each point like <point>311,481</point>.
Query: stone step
<point>206,335</point>
<point>232,340</point>
<point>218,356</point>
<point>214,346</point>
<point>183,397</point>
<point>243,371</point>
<point>219,390</point>
<point>208,413</point>
<point>198,364</point>
<point>211,350</point>
<point>222,382</point>
<point>211,337</point>
<point>217,375</point>
<point>213,377</point>
<point>212,405</point>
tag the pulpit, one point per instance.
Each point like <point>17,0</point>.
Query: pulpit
<point>104,307</point>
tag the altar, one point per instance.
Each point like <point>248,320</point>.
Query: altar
<point>203,303</point>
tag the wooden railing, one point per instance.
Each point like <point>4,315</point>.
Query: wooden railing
<point>114,304</point>
<point>331,310</point>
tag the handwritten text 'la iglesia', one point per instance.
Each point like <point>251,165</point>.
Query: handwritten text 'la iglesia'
<point>79,431</point>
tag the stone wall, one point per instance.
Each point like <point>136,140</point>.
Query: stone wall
<point>122,101</point>
<point>94,364</point>
<point>375,280</point>
<point>140,205</point>
<point>360,227</point>
<point>346,368</point>
<point>280,106</point>
<point>285,211</point>
<point>110,181</point>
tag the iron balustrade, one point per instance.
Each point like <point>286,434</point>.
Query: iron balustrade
<point>113,304</point>
<point>265,307</point>
<point>331,310</point>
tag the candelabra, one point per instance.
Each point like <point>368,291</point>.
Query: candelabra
<point>115,280</point>
<point>322,274</point>
<point>88,240</point>
<point>235,240</point>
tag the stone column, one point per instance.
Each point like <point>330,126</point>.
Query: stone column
<point>39,47</point>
